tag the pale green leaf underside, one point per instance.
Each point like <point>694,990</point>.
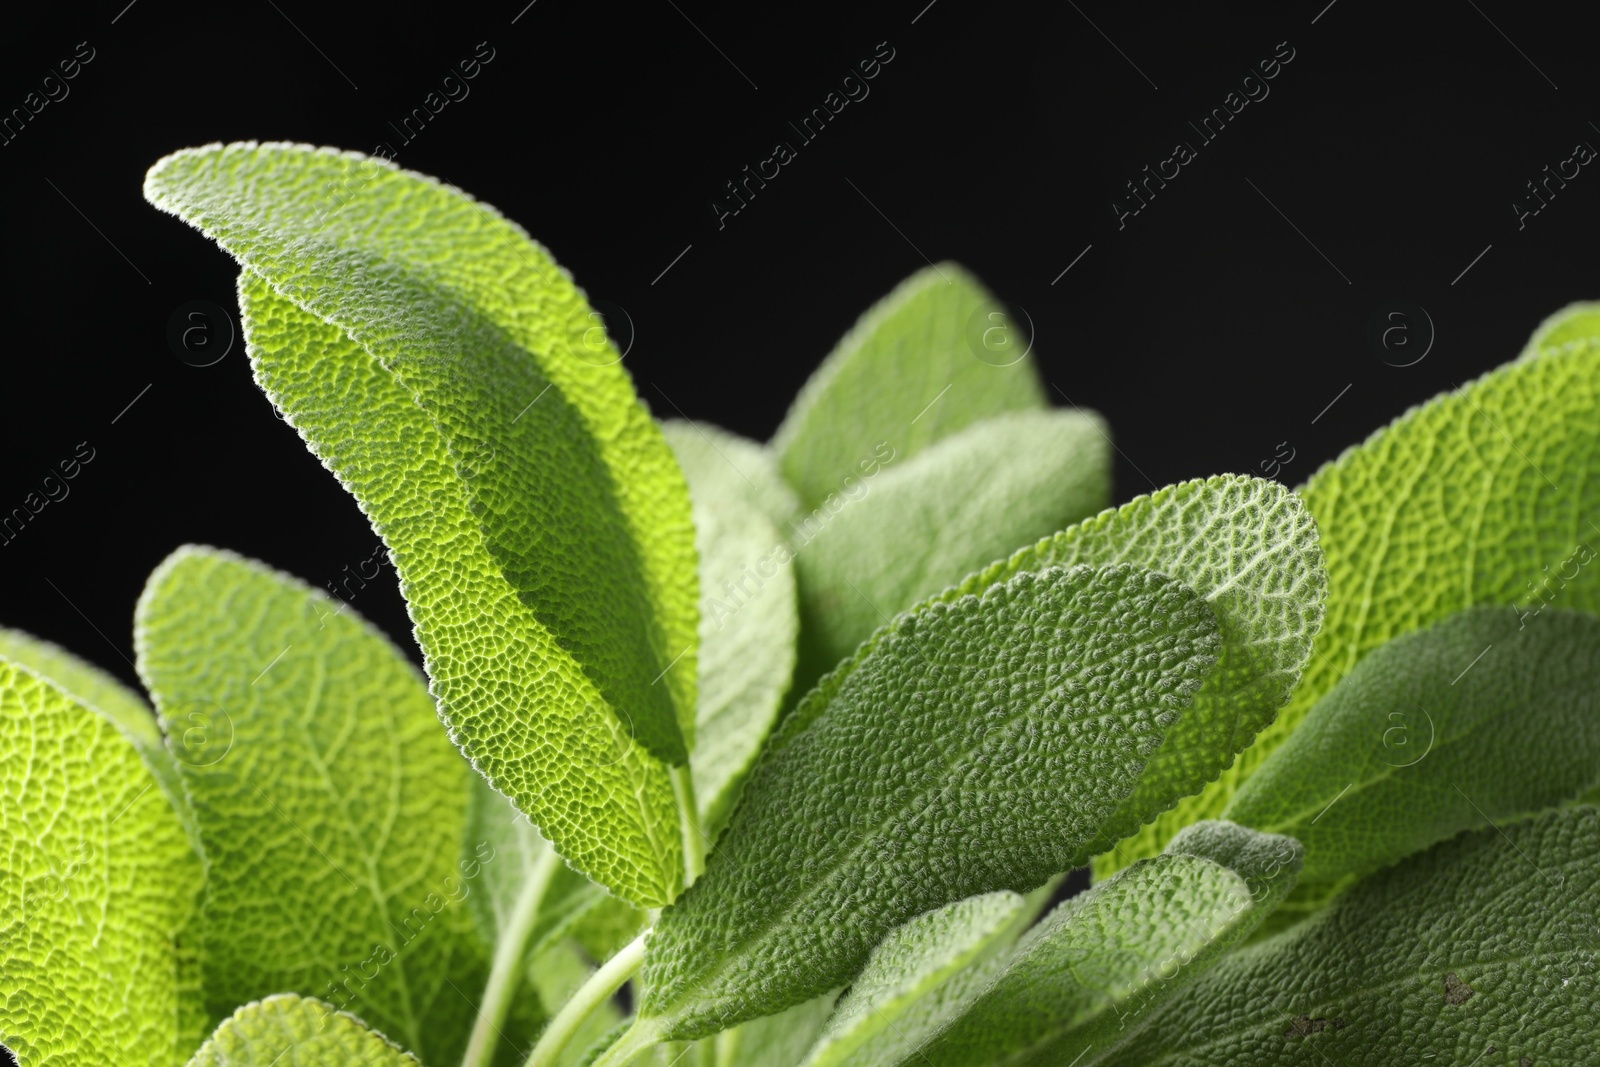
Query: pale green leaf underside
<point>779,1040</point>
<point>1474,719</point>
<point>748,617</point>
<point>580,504</point>
<point>884,1015</point>
<point>943,982</point>
<point>330,803</point>
<point>98,881</point>
<point>293,1031</point>
<point>1017,720</point>
<point>1270,864</point>
<point>435,358</point>
<point>1250,548</point>
<point>1484,495</point>
<point>1090,969</point>
<point>927,522</point>
<point>749,467</point>
<point>1482,940</point>
<point>907,373</point>
<point>542,734</point>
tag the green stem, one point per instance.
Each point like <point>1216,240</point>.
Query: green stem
<point>508,958</point>
<point>725,1046</point>
<point>694,842</point>
<point>637,1038</point>
<point>595,992</point>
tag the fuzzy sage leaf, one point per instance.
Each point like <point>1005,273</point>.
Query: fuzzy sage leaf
<point>1251,549</point>
<point>294,1031</point>
<point>330,803</point>
<point>1482,941</point>
<point>926,522</point>
<point>748,615</point>
<point>1483,495</point>
<point>1474,720</point>
<point>1091,968</point>
<point>908,373</point>
<point>913,979</point>
<point>99,883</point>
<point>971,746</point>
<point>539,524</point>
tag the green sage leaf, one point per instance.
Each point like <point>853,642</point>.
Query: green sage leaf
<point>1473,720</point>
<point>748,615</point>
<point>927,522</point>
<point>330,804</point>
<point>1103,959</point>
<point>99,883</point>
<point>1484,941</point>
<point>913,978</point>
<point>293,1031</point>
<point>1250,548</point>
<point>973,745</point>
<point>908,373</point>
<point>539,524</point>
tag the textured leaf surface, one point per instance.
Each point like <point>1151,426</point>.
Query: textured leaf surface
<point>330,803</point>
<point>1484,940</point>
<point>293,1031</point>
<point>99,878</point>
<point>908,373</point>
<point>86,683</point>
<point>1475,719</point>
<point>973,745</point>
<point>1104,957</point>
<point>1250,548</point>
<point>434,357</point>
<point>1485,495</point>
<point>561,756</point>
<point>919,1018</point>
<point>928,522</point>
<point>127,710</point>
<point>748,616</point>
<point>912,978</point>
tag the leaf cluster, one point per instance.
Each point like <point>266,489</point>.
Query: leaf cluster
<point>795,741</point>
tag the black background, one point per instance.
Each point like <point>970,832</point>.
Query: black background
<point>1212,328</point>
